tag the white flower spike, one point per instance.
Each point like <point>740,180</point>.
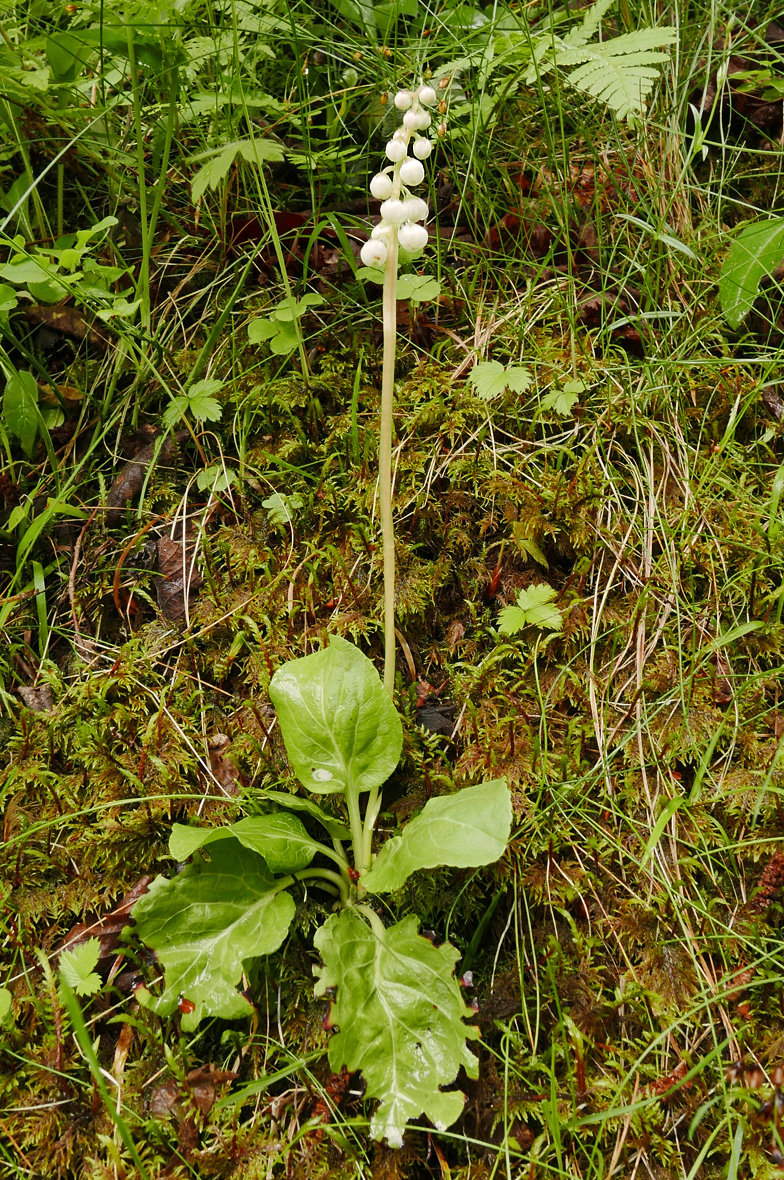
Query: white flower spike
<point>412,172</point>
<point>381,186</point>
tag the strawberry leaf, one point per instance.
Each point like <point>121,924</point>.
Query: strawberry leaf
<point>534,609</point>
<point>489,378</point>
<point>77,967</point>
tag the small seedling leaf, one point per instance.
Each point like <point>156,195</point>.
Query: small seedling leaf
<point>490,378</point>
<point>341,729</point>
<point>282,508</point>
<point>261,330</point>
<point>400,1016</point>
<point>756,252</point>
<point>294,309</point>
<point>534,609</point>
<point>417,288</point>
<point>77,967</point>
<point>464,830</point>
<point>205,923</point>
<point>20,409</point>
<point>216,478</point>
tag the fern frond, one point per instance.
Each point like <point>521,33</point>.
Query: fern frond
<point>620,72</point>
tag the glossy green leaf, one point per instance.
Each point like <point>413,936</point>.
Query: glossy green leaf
<point>341,729</point>
<point>205,923</point>
<point>281,839</point>
<point>297,803</point>
<point>400,1018</point>
<point>464,830</point>
<point>534,608</point>
<point>77,967</point>
<point>756,252</point>
<point>20,409</point>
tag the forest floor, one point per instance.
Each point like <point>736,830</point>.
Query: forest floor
<point>190,510</point>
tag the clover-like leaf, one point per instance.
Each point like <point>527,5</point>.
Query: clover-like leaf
<point>534,608</point>
<point>294,309</point>
<point>205,923</point>
<point>400,1018</point>
<point>282,508</point>
<point>489,378</point>
<point>341,729</point>
<point>77,967</point>
<point>281,839</point>
<point>417,288</point>
<point>464,830</point>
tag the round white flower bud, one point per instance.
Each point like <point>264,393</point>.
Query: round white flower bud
<point>396,150</point>
<point>381,186</point>
<point>411,120</point>
<point>427,95</point>
<point>412,172</point>
<point>404,99</point>
<point>416,209</point>
<point>422,148</point>
<point>382,231</point>
<point>393,212</point>
<point>412,237</point>
<point>373,253</point>
<point>424,120</point>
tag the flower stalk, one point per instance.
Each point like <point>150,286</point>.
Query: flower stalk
<point>400,229</point>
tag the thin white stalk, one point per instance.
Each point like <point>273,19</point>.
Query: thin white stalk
<point>385,461</point>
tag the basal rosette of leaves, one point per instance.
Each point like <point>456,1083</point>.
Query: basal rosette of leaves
<point>397,1013</point>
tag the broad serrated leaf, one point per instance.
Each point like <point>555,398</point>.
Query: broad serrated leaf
<point>418,288</point>
<point>77,967</point>
<point>20,413</point>
<point>560,401</point>
<point>281,839</point>
<point>205,923</point>
<point>400,1018</point>
<point>341,729</point>
<point>756,252</point>
<point>489,378</point>
<point>534,609</point>
<point>464,830</point>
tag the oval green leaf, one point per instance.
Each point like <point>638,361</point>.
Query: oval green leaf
<point>341,729</point>
<point>464,830</point>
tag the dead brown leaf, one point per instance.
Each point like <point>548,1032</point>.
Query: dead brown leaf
<point>178,578</point>
<point>130,481</point>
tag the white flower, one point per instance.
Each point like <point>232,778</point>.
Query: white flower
<point>381,186</point>
<point>393,212</point>
<point>383,232</point>
<point>416,209</point>
<point>412,237</point>
<point>422,148</point>
<point>427,95</point>
<point>412,172</point>
<point>373,253</point>
<point>396,150</point>
<point>411,120</point>
<point>404,99</point>
<point>424,120</point>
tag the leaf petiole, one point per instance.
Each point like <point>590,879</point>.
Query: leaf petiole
<point>329,879</point>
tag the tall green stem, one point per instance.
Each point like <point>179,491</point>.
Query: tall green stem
<point>385,462</point>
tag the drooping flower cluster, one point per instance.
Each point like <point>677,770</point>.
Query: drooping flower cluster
<point>401,213</point>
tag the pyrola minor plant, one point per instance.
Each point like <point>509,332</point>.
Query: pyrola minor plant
<point>401,216</point>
